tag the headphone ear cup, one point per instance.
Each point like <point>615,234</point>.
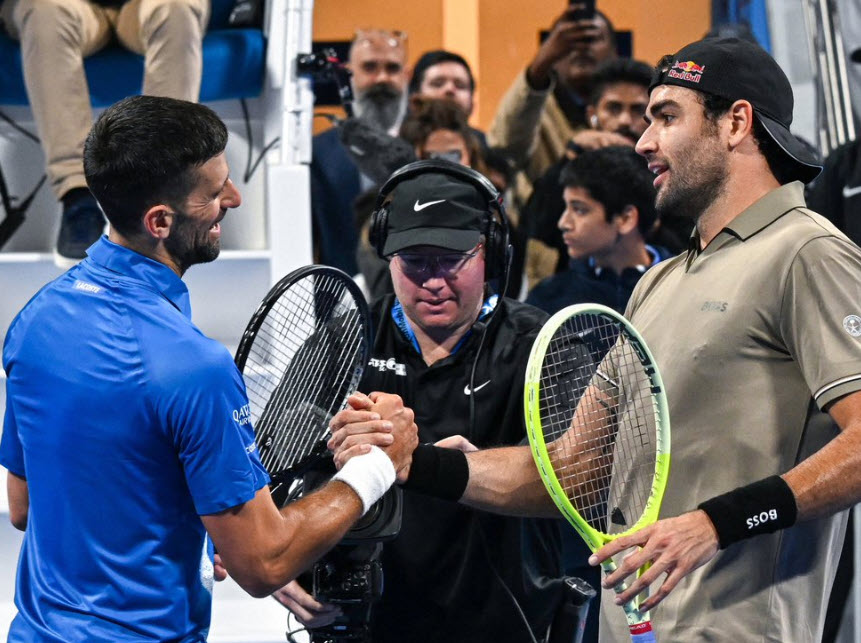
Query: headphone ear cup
<point>377,231</point>
<point>497,244</point>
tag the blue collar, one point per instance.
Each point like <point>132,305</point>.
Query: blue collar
<point>155,275</point>
<point>403,323</point>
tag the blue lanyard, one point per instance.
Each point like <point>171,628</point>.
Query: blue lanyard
<point>403,323</point>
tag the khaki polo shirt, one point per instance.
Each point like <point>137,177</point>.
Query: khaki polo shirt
<point>753,335</point>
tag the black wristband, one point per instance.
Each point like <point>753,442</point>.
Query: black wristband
<point>759,508</point>
<point>439,472</point>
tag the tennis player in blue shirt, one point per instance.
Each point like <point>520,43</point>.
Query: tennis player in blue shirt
<point>126,434</point>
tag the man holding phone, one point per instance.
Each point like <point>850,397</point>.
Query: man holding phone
<point>547,103</point>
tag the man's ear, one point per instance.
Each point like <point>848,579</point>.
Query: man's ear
<point>741,123</point>
<point>627,220</point>
<point>157,221</point>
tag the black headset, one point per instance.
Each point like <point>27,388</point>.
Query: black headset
<point>497,246</point>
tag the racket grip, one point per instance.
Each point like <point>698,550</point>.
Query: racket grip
<point>644,636</point>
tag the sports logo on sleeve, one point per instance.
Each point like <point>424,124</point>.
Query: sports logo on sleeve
<point>242,415</point>
<point>852,324</point>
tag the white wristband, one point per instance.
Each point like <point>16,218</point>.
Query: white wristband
<point>370,475</point>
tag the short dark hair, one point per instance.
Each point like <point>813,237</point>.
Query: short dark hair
<point>435,57</point>
<point>616,177</point>
<point>145,150</point>
<point>781,166</point>
<point>619,70</point>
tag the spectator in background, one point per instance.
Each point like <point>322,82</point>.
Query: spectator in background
<point>56,36</point>
<point>444,74</point>
<point>380,75</point>
<point>609,209</point>
<point>547,103</point>
<point>437,128</point>
<point>620,93</point>
<point>836,193</point>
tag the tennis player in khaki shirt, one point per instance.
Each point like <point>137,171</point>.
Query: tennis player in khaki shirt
<point>757,332</point>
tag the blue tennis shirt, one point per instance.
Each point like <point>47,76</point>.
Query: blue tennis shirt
<point>128,424</point>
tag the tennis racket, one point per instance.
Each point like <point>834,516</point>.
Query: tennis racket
<point>302,355</point>
<point>598,426</point>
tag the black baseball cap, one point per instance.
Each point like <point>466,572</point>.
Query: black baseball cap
<point>434,209</point>
<point>856,56</point>
<point>739,69</point>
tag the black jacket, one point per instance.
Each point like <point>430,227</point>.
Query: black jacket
<point>438,581</point>
<point>836,193</point>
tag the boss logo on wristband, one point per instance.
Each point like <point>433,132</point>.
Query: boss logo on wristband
<point>762,518</point>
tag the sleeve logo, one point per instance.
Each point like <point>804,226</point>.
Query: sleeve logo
<point>852,324</point>
<point>242,416</point>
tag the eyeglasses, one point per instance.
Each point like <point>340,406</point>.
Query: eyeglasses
<point>445,265</point>
<point>448,155</point>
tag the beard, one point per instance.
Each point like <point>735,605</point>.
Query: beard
<point>189,243</point>
<point>699,176</point>
<point>380,105</point>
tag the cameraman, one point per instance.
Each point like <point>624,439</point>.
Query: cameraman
<point>456,354</point>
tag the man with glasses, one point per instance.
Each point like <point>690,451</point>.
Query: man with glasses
<point>445,343</point>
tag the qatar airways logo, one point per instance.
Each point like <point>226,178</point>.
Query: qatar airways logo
<point>242,416</point>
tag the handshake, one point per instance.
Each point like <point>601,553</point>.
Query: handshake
<point>380,419</point>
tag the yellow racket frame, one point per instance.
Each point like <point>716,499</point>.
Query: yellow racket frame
<point>531,404</point>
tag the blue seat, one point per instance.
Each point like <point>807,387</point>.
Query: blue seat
<point>233,65</point>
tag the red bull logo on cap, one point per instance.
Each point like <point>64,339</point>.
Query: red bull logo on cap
<point>686,70</point>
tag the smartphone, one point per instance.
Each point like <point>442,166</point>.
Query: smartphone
<point>582,9</point>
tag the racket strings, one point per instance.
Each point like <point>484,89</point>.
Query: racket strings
<point>305,358</point>
<point>598,414</point>
<point>299,441</point>
<point>298,417</point>
<point>308,413</point>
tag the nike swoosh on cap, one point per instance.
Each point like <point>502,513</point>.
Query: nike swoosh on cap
<point>418,207</point>
<point>466,390</point>
<point>850,192</point>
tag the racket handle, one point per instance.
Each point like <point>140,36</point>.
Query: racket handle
<point>641,635</point>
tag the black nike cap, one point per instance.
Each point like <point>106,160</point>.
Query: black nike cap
<point>434,209</point>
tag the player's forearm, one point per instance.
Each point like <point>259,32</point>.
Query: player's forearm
<point>263,549</point>
<point>506,480</point>
<point>826,482</point>
<point>830,479</point>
